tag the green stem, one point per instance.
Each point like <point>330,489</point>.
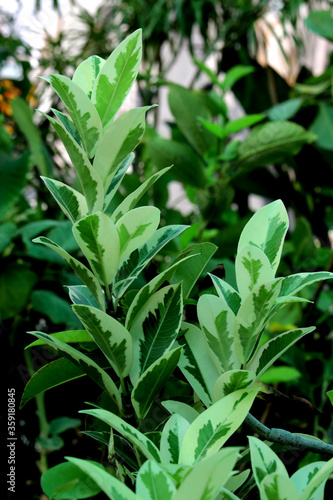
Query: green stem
<point>107,291</point>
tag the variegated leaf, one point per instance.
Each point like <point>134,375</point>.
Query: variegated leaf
<point>79,294</point>
<point>267,229</point>
<point>115,79</point>
<point>87,72</point>
<point>83,273</point>
<point>227,293</point>
<point>84,363</point>
<point>135,228</point>
<point>252,268</point>
<point>111,337</point>
<point>274,348</point>
<point>119,140</point>
<point>236,481</point>
<point>153,483</point>
<point>303,476</point>
<point>91,183</point>
<point>68,124</point>
<point>98,239</point>
<point>116,181</point>
<point>217,322</point>
<point>181,409</point>
<point>215,425</point>
<point>295,282</point>
<point>136,262</point>
<point>276,486</point>
<point>82,111</point>
<point>155,328</point>
<point>264,461</point>
<point>209,475</point>
<point>252,316</point>
<point>112,487</point>
<point>71,202</point>
<point>172,437</point>
<point>231,381</point>
<point>68,336</point>
<point>316,481</point>
<point>144,444</point>
<point>132,199</point>
<point>196,364</point>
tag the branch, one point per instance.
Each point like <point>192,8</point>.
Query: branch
<point>288,438</point>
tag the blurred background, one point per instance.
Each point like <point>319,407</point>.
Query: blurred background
<point>245,115</point>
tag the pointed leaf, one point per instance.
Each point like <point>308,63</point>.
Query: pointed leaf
<point>71,202</point>
<point>84,363</point>
<point>116,180</point>
<point>98,239</point>
<point>231,381</point>
<point>144,444</point>
<point>264,461</point>
<point>267,229</point>
<point>152,380</point>
<point>79,294</point>
<point>319,478</point>
<point>181,409</point>
<point>68,336</point>
<point>83,273</point>
<point>155,328</point>
<point>172,437</point>
<point>217,322</point>
<point>153,483</point>
<point>68,124</point>
<point>252,268</point>
<point>215,425</point>
<point>276,486</point>
<point>303,476</point>
<point>115,79</point>
<point>87,72</point>
<point>295,282</point>
<point>227,293</point>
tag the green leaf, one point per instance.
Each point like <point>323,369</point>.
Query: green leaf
<point>68,124</point>
<point>91,183</point>
<point>330,395</point>
<point>55,308</point>
<point>111,337</point>
<point>303,476</point>
<point>322,126</point>
<point>7,233</point>
<point>272,142</point>
<point>16,284</point>
<point>116,180</point>
<point>12,180</point>
<point>82,111</point>
<point>321,23</point>
<point>278,374</point>
<point>264,461</point>
<point>79,294</point>
<point>85,364</point>
<point>296,282</point>
<point>71,202</point>
<point>153,483</point>
<point>276,486</point>
<point>267,229</point>
<point>231,381</point>
<point>215,425</point>
<point>68,336</point>
<point>227,293</point>
<point>87,72</point>
<point>234,74</point>
<point>116,77</point>
<point>206,479</point>
<point>252,268</point>
<point>252,317</point>
<point>217,322</point>
<point>83,273</point>
<point>112,487</point>
<point>245,121</point>
<point>66,480</point>
<point>119,140</point>
<point>131,200</point>
<point>98,239</point>
<point>135,228</point>
<point>274,348</point>
<point>155,328</point>
<point>319,478</point>
<point>152,380</point>
<point>285,110</point>
<point>172,437</point>
<point>180,409</point>
<point>144,444</point>
<point>62,424</point>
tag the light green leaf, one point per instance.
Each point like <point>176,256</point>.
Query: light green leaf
<point>85,364</point>
<point>98,239</point>
<point>231,381</point>
<point>116,180</point>
<point>87,72</point>
<point>172,437</point>
<point>245,121</point>
<point>278,374</point>
<point>91,183</point>
<point>68,124</point>
<point>252,268</point>
<point>276,486</point>
<point>264,461</point>
<point>135,228</point>
<point>217,322</point>
<point>303,476</point>
<point>274,348</point>
<point>79,294</point>
<point>82,111</point>
<point>71,202</point>
<point>131,200</point>
<point>319,478</point>
<point>112,487</point>
<point>68,336</point>
<point>236,481</point>
<point>215,425</point>
<point>111,337</point>
<point>206,479</point>
<point>252,317</point>
<point>153,483</point>
<point>54,307</point>
<point>135,263</point>
<point>295,282</point>
<point>227,293</point>
<point>144,444</point>
<point>119,140</point>
<point>83,273</point>
<point>115,79</point>
<point>234,74</point>
<point>267,229</point>
<point>181,409</point>
<point>155,328</point>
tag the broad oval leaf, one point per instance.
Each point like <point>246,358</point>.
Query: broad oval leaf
<point>264,461</point>
<point>231,381</point>
<point>227,293</point>
<point>317,480</point>
<point>276,486</point>
<point>153,483</point>
<point>71,202</point>
<point>252,268</point>
<point>87,72</point>
<point>303,476</point>
<point>172,437</point>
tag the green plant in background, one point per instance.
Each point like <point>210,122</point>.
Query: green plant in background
<point>135,337</point>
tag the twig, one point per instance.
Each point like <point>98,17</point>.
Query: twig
<point>287,438</point>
